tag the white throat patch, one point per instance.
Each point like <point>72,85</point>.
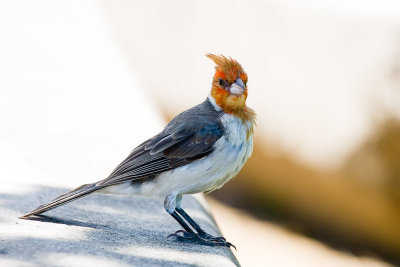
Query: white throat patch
<point>212,100</point>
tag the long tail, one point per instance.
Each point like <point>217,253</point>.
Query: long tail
<point>65,198</point>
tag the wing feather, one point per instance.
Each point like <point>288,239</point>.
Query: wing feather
<point>188,137</point>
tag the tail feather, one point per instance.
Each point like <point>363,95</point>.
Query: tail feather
<point>64,199</point>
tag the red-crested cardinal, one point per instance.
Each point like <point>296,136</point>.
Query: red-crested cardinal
<point>199,150</point>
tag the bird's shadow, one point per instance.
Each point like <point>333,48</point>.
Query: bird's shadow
<point>70,222</point>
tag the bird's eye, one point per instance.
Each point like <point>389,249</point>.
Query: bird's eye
<point>223,83</point>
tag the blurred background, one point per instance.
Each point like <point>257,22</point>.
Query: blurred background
<point>95,78</point>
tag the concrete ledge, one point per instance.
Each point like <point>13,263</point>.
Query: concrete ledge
<point>101,230</point>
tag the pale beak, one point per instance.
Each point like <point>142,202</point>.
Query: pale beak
<point>237,87</point>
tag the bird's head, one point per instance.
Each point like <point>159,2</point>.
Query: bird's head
<point>229,86</point>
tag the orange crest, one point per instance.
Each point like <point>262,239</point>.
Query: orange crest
<point>227,70</point>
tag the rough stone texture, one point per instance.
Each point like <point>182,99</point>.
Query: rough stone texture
<point>101,230</point>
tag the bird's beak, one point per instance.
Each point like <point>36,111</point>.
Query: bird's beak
<point>237,87</point>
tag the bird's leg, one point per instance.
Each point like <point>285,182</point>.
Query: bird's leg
<point>172,205</point>
<point>200,232</point>
<point>198,229</point>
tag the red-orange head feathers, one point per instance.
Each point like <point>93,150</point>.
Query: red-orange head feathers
<point>229,87</point>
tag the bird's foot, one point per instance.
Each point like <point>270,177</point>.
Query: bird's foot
<point>201,238</point>
<point>204,235</point>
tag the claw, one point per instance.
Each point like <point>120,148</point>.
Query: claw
<point>201,238</point>
<point>176,234</point>
<point>171,235</point>
<point>210,237</point>
<point>229,244</point>
<point>184,235</point>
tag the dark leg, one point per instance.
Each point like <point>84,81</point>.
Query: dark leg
<point>188,234</point>
<point>182,223</point>
<point>200,231</point>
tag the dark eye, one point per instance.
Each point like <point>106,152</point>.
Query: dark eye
<point>223,83</point>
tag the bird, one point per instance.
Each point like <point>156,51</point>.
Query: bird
<point>199,150</point>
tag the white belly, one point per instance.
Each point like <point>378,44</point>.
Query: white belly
<point>230,154</point>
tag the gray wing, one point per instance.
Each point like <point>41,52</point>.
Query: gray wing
<point>188,137</point>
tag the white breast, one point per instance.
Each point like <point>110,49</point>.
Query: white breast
<point>230,153</point>
<point>235,148</point>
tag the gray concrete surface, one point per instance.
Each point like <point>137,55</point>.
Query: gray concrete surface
<point>101,230</point>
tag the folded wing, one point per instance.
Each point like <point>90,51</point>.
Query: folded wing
<point>188,137</point>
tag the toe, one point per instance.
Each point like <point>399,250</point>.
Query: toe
<point>204,239</point>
